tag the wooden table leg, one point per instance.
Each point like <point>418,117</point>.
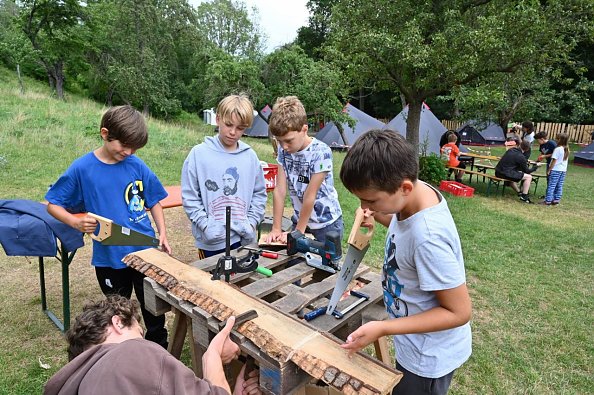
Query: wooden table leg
<point>381,350</point>
<point>180,327</point>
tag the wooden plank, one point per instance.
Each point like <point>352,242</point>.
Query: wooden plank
<point>281,337</point>
<point>266,286</point>
<point>293,302</point>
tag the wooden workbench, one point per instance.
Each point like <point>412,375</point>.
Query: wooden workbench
<point>280,292</point>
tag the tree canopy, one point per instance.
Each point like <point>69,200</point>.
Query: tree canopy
<point>427,48</point>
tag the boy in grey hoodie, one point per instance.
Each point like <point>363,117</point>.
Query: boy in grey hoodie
<point>224,171</point>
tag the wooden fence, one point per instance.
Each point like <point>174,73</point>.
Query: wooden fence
<point>577,133</point>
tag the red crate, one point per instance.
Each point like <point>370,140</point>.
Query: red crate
<point>270,172</point>
<point>456,188</point>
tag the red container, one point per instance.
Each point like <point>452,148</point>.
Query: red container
<point>456,188</point>
<point>270,172</point>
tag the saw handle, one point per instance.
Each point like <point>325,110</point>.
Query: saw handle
<point>357,238</point>
<point>104,227</point>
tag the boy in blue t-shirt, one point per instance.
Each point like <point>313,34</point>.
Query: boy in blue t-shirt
<point>114,183</point>
<point>306,169</point>
<point>423,275</point>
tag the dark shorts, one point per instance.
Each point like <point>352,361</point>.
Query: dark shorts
<point>411,384</point>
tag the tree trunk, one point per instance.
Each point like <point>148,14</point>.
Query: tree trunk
<point>109,97</point>
<point>402,100</point>
<point>361,100</point>
<point>341,132</point>
<point>145,110</point>
<point>412,125</point>
<point>59,77</point>
<point>21,85</point>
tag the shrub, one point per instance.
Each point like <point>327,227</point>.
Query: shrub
<point>432,169</point>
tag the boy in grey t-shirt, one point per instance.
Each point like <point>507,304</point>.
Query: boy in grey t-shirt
<point>306,171</point>
<point>423,275</point>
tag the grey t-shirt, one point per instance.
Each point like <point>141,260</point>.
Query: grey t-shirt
<point>299,168</point>
<point>423,254</point>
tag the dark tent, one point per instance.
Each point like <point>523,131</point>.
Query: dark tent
<point>475,133</point>
<point>330,135</point>
<point>430,128</point>
<point>266,111</point>
<point>259,126</point>
<point>585,157</point>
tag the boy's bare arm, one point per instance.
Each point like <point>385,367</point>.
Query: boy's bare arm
<point>309,198</point>
<point>83,224</point>
<point>454,310</point>
<point>278,206</point>
<point>159,218</point>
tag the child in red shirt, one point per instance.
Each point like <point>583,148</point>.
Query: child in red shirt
<point>452,152</point>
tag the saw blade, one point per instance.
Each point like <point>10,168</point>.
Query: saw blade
<point>350,264</point>
<point>122,236</point>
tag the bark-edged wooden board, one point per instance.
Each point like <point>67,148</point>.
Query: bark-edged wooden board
<point>281,337</point>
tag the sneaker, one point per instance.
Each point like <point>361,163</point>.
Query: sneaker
<point>520,194</point>
<point>525,199</point>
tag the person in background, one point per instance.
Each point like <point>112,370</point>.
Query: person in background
<point>452,152</point>
<point>528,135</point>
<point>557,171</point>
<point>109,356</point>
<point>546,148</point>
<point>513,166</point>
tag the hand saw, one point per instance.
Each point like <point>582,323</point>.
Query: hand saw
<point>358,244</point>
<point>112,234</point>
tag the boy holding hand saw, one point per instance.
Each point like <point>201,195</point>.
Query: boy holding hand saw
<point>114,183</point>
<point>423,275</point>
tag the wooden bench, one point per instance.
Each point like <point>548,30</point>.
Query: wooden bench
<point>484,167</point>
<point>492,180</point>
<point>281,292</point>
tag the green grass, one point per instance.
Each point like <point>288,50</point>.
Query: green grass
<point>529,268</point>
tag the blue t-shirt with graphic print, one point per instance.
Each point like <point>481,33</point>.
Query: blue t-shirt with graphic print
<point>121,192</point>
<point>299,168</point>
<point>423,254</point>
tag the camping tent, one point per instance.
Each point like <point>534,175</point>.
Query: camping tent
<point>430,128</point>
<point>585,157</point>
<point>259,126</point>
<point>475,133</point>
<point>330,135</point>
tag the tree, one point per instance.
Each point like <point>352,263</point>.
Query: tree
<point>132,51</point>
<point>227,75</point>
<point>53,29</point>
<point>15,48</point>
<point>313,36</point>
<point>227,24</point>
<point>320,86</point>
<point>425,49</point>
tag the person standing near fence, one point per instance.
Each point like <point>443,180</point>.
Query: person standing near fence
<point>528,135</point>
<point>557,171</point>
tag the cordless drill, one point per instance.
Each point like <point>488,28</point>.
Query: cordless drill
<point>330,251</point>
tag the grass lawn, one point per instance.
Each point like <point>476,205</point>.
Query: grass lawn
<point>529,267</point>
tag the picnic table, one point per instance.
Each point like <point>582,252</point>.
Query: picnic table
<point>65,256</point>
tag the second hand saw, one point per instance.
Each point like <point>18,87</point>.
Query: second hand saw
<point>358,244</point>
<point>112,234</point>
